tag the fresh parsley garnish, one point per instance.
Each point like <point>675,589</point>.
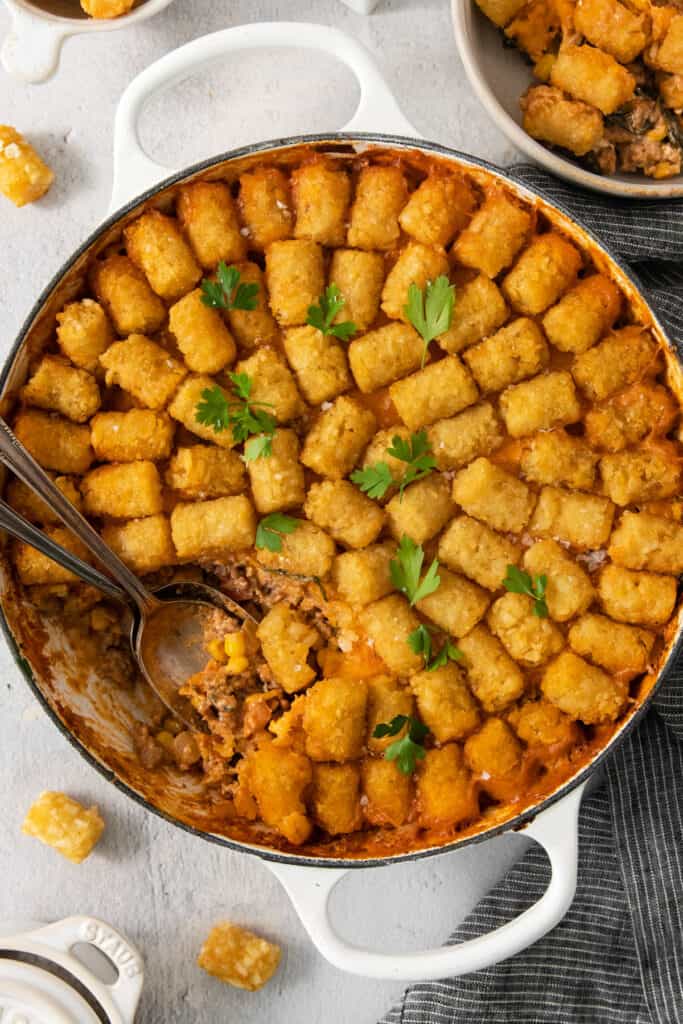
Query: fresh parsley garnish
<point>519,582</point>
<point>227,292</point>
<point>420,641</point>
<point>408,749</point>
<point>242,415</point>
<point>322,315</point>
<point>376,480</point>
<point>406,568</point>
<point>430,310</point>
<point>269,531</point>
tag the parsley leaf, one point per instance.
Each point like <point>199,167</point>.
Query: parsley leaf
<point>417,452</point>
<point>213,410</point>
<point>375,480</point>
<point>406,568</point>
<point>519,582</point>
<point>258,447</point>
<point>408,749</point>
<point>420,641</point>
<point>269,531</point>
<point>322,315</point>
<point>430,311</point>
<point>243,416</point>
<point>227,292</point>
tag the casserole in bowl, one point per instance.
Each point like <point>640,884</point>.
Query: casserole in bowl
<point>519,403</point>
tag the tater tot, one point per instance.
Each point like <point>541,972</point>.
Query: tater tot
<point>272,384</point>
<point>479,309</point>
<point>620,359</point>
<point>279,779</point>
<point>555,457</point>
<point>542,274</point>
<point>132,435</point>
<point>528,638</point>
<point>494,755</point>
<point>106,8</point>
<point>494,678</point>
<point>382,356</point>
<point>59,387</point>
<point>439,208</point>
<point>422,510</point>
<point>501,12</point>
<point>295,276</point>
<point>388,623</point>
<point>201,335</point>
<point>54,442</point>
<point>613,646</point>
<point>671,90</point>
<point>539,724</point>
<point>582,690</point>
<point>485,491</point>
<point>477,551</point>
<point>642,597</point>
<point>83,333</point>
<point>205,471</point>
<point>125,293</point>
<point>417,264</point>
<point>265,204</point>
<point>364,576</point>
<point>630,415</point>
<point>337,439</point>
<point>551,117</point>
<point>277,482</point>
<point>595,77</point>
<point>26,502</point>
<point>336,798</point>
<point>613,27</point>
<point>582,520</point>
<point>644,541</point>
<point>209,218</point>
<point>35,568</point>
<point>155,243</point>
<point>387,697</point>
<point>145,545</point>
<point>143,368</point>
<point>307,551</point>
<point>253,327</point>
<point>546,401</point>
<point>513,353</point>
<point>494,236</point>
<point>24,177</point>
<point>205,529</point>
<point>438,391</point>
<point>286,640</point>
<point>124,491</point>
<point>458,440</point>
<point>445,703</point>
<point>340,509</point>
<point>334,719</point>
<point>456,606</point>
<point>321,199</point>
<point>381,194</point>
<point>359,276</point>
<point>183,408</point>
<point>445,793</point>
<point>667,55</point>
<point>583,314</point>
<point>568,590</point>
<point>632,478</point>
<point>387,791</point>
<point>319,362</point>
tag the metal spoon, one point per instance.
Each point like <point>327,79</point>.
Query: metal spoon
<point>167,633</point>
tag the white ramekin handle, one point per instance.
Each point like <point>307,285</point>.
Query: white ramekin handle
<point>30,51</point>
<point>134,171</point>
<point>555,829</point>
<point>125,991</point>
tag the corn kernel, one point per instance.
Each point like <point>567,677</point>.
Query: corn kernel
<point>235,645</point>
<point>165,740</point>
<point>237,665</point>
<point>216,650</point>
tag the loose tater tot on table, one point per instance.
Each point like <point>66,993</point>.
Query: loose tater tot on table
<point>477,551</point>
<point>582,520</point>
<point>364,576</point>
<point>24,177</point>
<point>337,439</point>
<point>423,509</point>
<point>494,678</point>
<point>478,310</point>
<point>59,387</point>
<point>387,791</point>
<point>144,369</point>
<point>568,590</point>
<point>612,645</point>
<point>286,640</point>
<point>307,551</point>
<point>613,27</point>
<point>644,541</point>
<point>388,623</point>
<point>417,264</point>
<point>381,194</point>
<point>542,274</point>
<point>340,509</point>
<point>582,690</point>
<point>546,401</point>
<point>555,457</point>
<point>456,606</point>
<point>629,416</point>
<point>54,442</point>
<point>238,957</point>
<point>583,314</point>
<point>201,335</point>
<point>27,503</point>
<point>439,208</point>
<point>279,780</point>
<point>319,362</point>
<point>66,825</point>
<point>550,116</point>
<point>124,491</point>
<point>83,333</point>
<point>445,703</point>
<point>593,76</point>
<point>359,276</point>
<point>125,293</point>
<point>527,638</point>
<point>132,435</point>
<point>155,243</point>
<point>277,481</point>
<point>35,568</point>
<point>321,199</point>
<point>438,391</point>
<point>387,697</point>
<point>622,358</point>
<point>253,327</point>
<point>384,355</point>
<point>445,793</point>
<point>494,236</point>
<point>295,277</point>
<point>213,528</point>
<point>183,408</point>
<point>634,477</point>
<point>209,218</point>
<point>645,598</point>
<point>265,204</point>
<point>145,545</point>
<point>334,719</point>
<point>513,353</point>
<point>272,384</point>
<point>487,492</point>
<point>459,439</point>
<point>336,798</point>
<point>205,471</point>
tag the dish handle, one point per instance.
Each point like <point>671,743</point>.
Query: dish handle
<point>556,829</point>
<point>134,171</point>
<point>30,51</point>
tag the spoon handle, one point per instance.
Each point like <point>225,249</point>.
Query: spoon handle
<point>22,463</point>
<point>18,527</point>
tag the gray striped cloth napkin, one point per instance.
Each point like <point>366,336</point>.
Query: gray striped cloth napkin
<point>617,957</point>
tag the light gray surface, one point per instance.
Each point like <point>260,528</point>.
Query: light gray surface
<point>162,887</point>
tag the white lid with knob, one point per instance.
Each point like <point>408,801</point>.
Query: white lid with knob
<point>43,982</point>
